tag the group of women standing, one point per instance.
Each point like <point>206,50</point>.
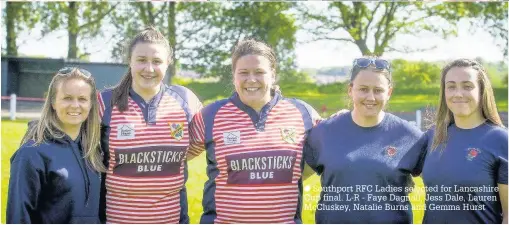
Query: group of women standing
<point>120,156</point>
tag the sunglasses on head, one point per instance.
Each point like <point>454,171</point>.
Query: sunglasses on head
<point>67,70</point>
<point>380,64</point>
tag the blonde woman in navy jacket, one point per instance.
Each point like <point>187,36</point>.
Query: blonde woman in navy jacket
<point>54,174</point>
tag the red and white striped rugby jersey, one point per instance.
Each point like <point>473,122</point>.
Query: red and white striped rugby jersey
<point>147,147</point>
<point>254,160</point>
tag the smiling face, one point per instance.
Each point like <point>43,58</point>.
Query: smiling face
<point>72,103</point>
<point>148,63</point>
<point>370,91</point>
<point>462,92</point>
<point>253,80</point>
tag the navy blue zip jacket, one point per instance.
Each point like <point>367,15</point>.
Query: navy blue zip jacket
<point>51,183</point>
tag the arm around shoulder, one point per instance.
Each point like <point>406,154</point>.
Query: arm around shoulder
<point>311,153</point>
<point>196,136</point>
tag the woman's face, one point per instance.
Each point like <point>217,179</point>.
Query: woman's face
<point>253,79</point>
<point>462,92</point>
<point>148,64</point>
<point>370,91</point>
<point>72,103</point>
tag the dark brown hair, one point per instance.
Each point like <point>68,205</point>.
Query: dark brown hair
<point>121,90</point>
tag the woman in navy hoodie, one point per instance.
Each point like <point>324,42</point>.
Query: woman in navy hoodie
<point>54,174</point>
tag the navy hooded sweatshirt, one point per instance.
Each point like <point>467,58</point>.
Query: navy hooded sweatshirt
<point>52,183</point>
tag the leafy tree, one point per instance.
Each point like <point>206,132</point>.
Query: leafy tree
<point>490,16</point>
<point>497,73</point>
<point>373,26</point>
<point>18,16</point>
<point>172,34</point>
<point>130,18</point>
<point>410,74</point>
<point>270,22</point>
<point>294,76</point>
<point>177,21</point>
<point>80,19</point>
<point>205,33</point>
<point>494,16</point>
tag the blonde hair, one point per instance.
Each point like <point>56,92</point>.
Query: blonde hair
<point>48,126</point>
<point>120,93</point>
<point>444,117</point>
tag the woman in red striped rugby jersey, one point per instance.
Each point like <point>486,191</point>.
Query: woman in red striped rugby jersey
<point>253,142</point>
<point>145,137</point>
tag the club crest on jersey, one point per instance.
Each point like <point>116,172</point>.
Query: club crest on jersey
<point>391,151</point>
<point>231,138</point>
<point>177,130</point>
<point>289,135</point>
<point>472,153</point>
<point>125,131</point>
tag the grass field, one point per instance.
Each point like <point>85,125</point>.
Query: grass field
<point>334,96</point>
<point>12,132</point>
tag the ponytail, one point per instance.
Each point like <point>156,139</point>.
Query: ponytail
<point>121,92</point>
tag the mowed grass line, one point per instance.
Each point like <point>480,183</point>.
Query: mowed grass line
<point>13,131</point>
<point>335,96</point>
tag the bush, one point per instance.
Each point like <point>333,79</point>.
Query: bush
<point>294,77</point>
<point>415,74</point>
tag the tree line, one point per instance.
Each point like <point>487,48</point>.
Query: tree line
<point>203,33</point>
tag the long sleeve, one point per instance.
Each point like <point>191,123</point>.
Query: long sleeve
<point>25,182</point>
<point>311,152</point>
<point>197,135</point>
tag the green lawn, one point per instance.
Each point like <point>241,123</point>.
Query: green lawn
<point>335,97</point>
<point>12,132</point>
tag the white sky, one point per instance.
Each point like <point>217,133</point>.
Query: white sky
<point>330,53</point>
<point>309,55</point>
